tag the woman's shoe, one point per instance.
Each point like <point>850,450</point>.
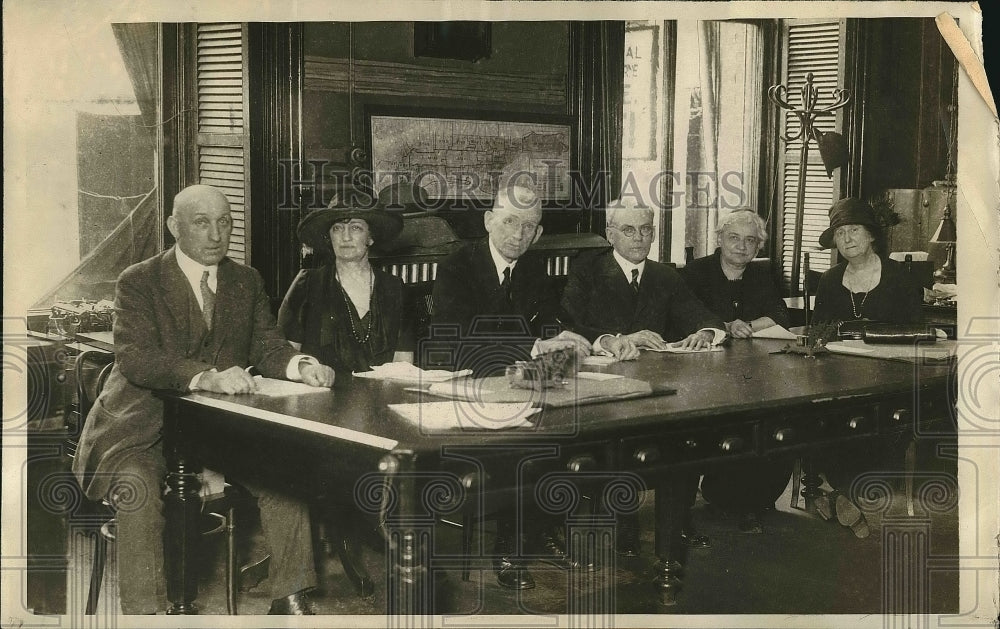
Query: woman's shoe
<point>750,523</point>
<point>850,516</point>
<point>826,505</point>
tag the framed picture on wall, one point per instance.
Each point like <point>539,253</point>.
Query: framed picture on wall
<point>463,156</point>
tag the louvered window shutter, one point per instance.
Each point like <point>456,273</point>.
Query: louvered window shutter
<point>817,47</point>
<point>222,141</point>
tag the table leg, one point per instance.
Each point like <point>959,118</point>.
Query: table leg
<point>410,591</point>
<point>182,506</point>
<point>811,481</point>
<point>671,510</point>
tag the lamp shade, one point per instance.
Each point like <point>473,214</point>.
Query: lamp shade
<point>946,230</point>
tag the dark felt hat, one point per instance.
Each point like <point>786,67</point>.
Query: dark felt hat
<point>314,228</point>
<point>850,211</point>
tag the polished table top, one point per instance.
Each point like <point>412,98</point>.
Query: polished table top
<point>746,376</point>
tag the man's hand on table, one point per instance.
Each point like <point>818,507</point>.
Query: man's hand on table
<point>565,339</point>
<point>701,339</point>
<point>316,375</point>
<point>621,347</point>
<point>232,381</point>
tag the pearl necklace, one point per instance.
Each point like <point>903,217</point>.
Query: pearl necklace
<point>350,312</point>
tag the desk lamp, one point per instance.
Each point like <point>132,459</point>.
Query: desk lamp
<point>946,235</point>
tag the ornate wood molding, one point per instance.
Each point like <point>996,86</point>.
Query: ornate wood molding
<point>327,74</point>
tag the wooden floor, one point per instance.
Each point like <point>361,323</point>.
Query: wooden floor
<point>800,564</point>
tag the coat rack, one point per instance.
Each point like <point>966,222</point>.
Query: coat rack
<point>807,113</point>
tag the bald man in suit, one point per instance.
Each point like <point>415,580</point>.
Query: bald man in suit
<point>188,319</point>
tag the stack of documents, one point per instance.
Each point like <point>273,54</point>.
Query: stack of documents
<point>465,416</point>
<point>406,372</point>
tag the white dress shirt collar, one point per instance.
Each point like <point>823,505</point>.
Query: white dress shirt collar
<point>500,262</point>
<point>193,271</point>
<point>627,266</point>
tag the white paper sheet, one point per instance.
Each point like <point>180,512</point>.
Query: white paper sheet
<point>774,332</point>
<point>406,372</point>
<point>674,348</point>
<point>596,375</point>
<point>460,415</point>
<point>272,387</point>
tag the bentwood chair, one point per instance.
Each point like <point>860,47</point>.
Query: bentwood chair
<point>91,371</point>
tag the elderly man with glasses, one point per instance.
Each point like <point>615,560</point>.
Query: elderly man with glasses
<point>622,301</point>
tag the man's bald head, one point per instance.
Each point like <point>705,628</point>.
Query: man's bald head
<point>201,224</point>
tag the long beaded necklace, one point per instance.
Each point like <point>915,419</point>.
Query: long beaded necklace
<point>857,309</point>
<point>350,312</point>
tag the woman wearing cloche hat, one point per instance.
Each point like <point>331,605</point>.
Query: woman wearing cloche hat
<point>866,285</point>
<point>347,313</point>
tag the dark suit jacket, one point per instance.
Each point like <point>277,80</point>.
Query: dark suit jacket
<point>161,342</point>
<point>599,300</point>
<point>467,295</point>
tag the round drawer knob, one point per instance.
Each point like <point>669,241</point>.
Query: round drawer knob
<point>855,422</point>
<point>731,444</point>
<point>690,444</point>
<point>901,415</point>
<point>646,455</point>
<point>581,463</point>
<point>784,435</point>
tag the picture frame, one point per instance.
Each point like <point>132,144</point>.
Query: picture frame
<point>462,156</point>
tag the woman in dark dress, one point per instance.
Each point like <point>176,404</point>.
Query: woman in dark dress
<point>865,286</point>
<point>745,297</point>
<point>347,313</point>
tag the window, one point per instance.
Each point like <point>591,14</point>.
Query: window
<point>815,46</point>
<point>719,98</point>
<point>90,162</point>
<point>222,142</point>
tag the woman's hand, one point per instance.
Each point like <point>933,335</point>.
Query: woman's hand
<point>740,329</point>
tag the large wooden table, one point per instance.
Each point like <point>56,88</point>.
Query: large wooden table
<point>344,444</point>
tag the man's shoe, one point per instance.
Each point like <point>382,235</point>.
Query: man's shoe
<point>627,543</point>
<point>512,575</point>
<point>297,604</point>
<point>692,540</point>
<point>550,550</point>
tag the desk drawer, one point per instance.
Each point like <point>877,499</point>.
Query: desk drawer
<point>648,451</point>
<point>784,433</point>
<point>905,412</point>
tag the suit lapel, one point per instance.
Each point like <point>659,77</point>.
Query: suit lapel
<point>486,271</point>
<point>647,288</point>
<point>228,293</point>
<point>177,294</point>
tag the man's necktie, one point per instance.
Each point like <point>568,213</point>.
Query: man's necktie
<point>208,301</point>
<point>505,284</point>
<point>635,281</point>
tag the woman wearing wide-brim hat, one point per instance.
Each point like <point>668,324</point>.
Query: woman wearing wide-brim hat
<point>347,313</point>
<point>867,284</point>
